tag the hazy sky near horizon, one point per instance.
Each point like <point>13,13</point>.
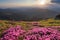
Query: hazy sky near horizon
<point>17,3</point>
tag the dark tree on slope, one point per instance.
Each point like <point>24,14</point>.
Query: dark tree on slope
<point>57,17</point>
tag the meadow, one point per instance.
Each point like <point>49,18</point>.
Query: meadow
<point>26,26</point>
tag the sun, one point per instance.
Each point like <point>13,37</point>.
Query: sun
<point>44,2</point>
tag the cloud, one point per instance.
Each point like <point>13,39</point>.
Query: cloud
<point>54,7</point>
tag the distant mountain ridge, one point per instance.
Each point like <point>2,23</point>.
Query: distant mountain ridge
<point>26,14</point>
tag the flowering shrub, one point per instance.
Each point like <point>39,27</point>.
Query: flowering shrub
<point>42,34</point>
<point>36,33</point>
<point>12,33</point>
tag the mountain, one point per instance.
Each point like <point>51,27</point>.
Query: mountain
<point>26,14</point>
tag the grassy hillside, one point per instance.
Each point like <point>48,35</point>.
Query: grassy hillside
<point>5,24</point>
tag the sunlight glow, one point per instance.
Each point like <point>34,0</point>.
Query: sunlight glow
<point>44,2</point>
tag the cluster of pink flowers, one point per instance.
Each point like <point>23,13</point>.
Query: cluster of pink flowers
<point>12,33</point>
<point>42,34</point>
<point>36,33</point>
